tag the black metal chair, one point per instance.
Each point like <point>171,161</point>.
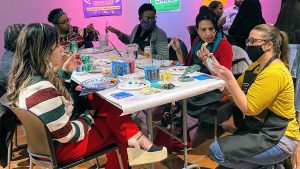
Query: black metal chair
<point>193,32</point>
<point>222,113</point>
<point>40,143</point>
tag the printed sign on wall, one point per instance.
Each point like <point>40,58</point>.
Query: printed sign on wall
<point>166,5</point>
<point>207,2</point>
<point>95,8</point>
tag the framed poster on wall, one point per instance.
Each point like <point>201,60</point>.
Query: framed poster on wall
<point>96,8</point>
<point>166,5</point>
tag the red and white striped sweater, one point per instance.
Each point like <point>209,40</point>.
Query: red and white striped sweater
<point>44,100</point>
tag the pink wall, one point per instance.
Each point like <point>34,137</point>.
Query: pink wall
<point>174,23</point>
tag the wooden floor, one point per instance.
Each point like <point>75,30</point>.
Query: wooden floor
<point>198,155</point>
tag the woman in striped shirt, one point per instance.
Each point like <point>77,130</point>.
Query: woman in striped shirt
<point>34,86</point>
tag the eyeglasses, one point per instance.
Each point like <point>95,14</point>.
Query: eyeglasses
<point>149,18</point>
<point>251,41</point>
<point>65,21</point>
<point>211,29</point>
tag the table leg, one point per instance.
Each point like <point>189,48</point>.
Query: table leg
<point>185,133</point>
<point>184,124</point>
<point>149,125</point>
<point>150,129</point>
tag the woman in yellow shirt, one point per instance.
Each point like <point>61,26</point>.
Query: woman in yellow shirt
<point>267,130</point>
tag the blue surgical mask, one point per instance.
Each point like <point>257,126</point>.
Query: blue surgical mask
<point>148,25</point>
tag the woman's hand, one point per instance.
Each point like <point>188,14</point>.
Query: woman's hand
<point>113,30</point>
<point>203,54</point>
<point>222,21</point>
<point>222,71</point>
<point>72,62</point>
<point>175,44</point>
<point>92,112</point>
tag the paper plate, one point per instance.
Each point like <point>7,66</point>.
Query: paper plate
<point>102,61</point>
<point>166,63</point>
<point>133,84</point>
<point>89,51</point>
<point>95,71</point>
<point>99,83</point>
<point>177,70</point>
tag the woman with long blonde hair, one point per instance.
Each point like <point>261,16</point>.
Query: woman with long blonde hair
<point>34,85</point>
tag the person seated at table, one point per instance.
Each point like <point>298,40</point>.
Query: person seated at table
<point>209,33</point>
<point>69,33</point>
<point>146,33</point>
<point>202,106</point>
<point>7,120</point>
<point>33,85</point>
<point>267,131</point>
<point>10,39</point>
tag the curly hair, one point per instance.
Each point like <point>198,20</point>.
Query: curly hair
<point>52,17</point>
<point>11,35</point>
<point>146,7</point>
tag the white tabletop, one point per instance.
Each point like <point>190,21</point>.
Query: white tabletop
<point>139,101</point>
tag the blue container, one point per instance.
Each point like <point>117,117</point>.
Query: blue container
<point>120,68</point>
<point>151,73</point>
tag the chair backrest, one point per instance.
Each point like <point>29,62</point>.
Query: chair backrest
<point>240,60</point>
<point>193,32</point>
<point>39,140</point>
<point>172,53</point>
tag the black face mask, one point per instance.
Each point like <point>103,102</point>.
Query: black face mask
<point>148,25</point>
<point>254,52</point>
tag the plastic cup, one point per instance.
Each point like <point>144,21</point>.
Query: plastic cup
<point>152,73</point>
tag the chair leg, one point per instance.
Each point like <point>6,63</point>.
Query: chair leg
<point>215,128</point>
<point>97,163</point>
<point>120,159</point>
<point>30,164</point>
<point>9,154</point>
<point>16,138</point>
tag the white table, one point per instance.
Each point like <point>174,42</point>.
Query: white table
<point>139,101</point>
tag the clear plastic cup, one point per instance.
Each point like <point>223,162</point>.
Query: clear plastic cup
<point>103,41</point>
<point>152,73</point>
<point>147,52</point>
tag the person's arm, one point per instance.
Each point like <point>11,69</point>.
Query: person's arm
<point>228,23</point>
<point>259,96</point>
<point>49,105</point>
<point>177,48</point>
<point>122,36</point>
<point>161,46</point>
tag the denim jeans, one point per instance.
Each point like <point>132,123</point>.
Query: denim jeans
<point>263,160</point>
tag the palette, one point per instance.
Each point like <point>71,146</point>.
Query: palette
<point>99,83</point>
<point>133,84</point>
<point>177,70</point>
